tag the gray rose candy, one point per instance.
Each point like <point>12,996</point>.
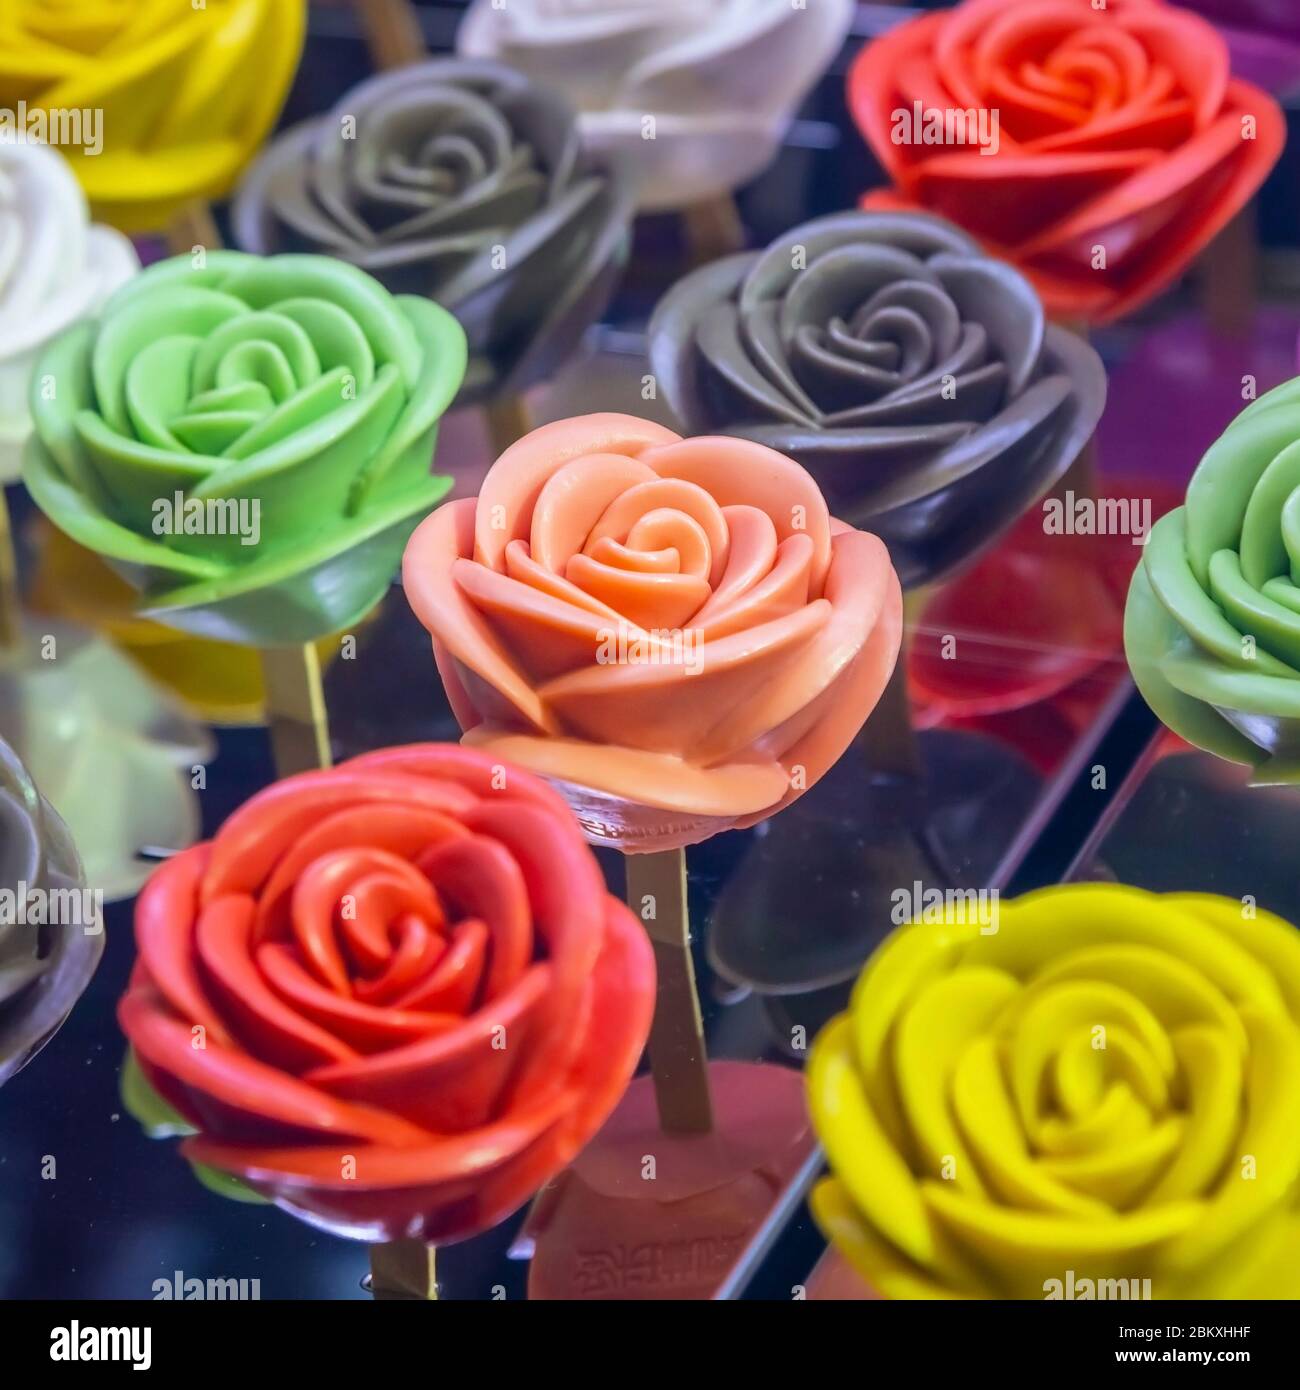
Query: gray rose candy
<point>465,182</point>
<point>47,953</point>
<point>915,377</point>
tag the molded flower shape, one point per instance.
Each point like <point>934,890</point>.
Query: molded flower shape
<point>1212,628</point>
<point>1106,1088</point>
<point>696,96</point>
<point>1122,144</point>
<point>247,443</point>
<point>912,375</point>
<point>171,100</point>
<point>461,181</point>
<point>675,631</point>
<point>55,270</point>
<point>416,1000</point>
<point>45,964</point>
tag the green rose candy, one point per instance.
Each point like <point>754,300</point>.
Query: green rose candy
<point>248,442</point>
<point>1212,629</point>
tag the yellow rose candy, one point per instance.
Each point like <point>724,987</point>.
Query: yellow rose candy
<point>1098,1084</point>
<point>187,93</point>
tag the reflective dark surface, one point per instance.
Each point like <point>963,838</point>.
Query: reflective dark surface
<point>1015,679</point>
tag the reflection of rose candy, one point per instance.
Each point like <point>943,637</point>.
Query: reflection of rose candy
<point>185,92</point>
<point>55,269</point>
<point>721,80</point>
<point>1107,1088</point>
<point>417,1066</point>
<point>291,400</point>
<point>1121,132</point>
<point>675,630</point>
<point>461,181</point>
<point>45,968</point>
<point>911,374</point>
<point>1212,628</point>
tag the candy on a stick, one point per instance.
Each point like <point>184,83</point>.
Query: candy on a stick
<point>697,97</point>
<point>676,631</point>
<point>1097,1084</point>
<point>464,182</point>
<point>1212,627</point>
<point>418,1001</point>
<point>1100,149</point>
<point>56,269</point>
<point>681,638</point>
<point>157,106</point>
<point>248,442</point>
<point>913,375</point>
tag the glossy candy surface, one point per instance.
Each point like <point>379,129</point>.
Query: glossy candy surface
<point>463,181</point>
<point>676,631</point>
<point>1124,144</point>
<point>291,403</point>
<point>56,269</point>
<point>915,377</point>
<point>696,97</point>
<point>184,92</point>
<point>417,1000</point>
<point>1107,1083</point>
<point>1212,627</point>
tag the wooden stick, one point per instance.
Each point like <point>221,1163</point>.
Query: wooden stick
<point>193,226</point>
<point>508,420</point>
<point>393,33</point>
<point>403,1270</point>
<point>295,709</point>
<point>714,229</point>
<point>1230,274</point>
<point>656,892</point>
<point>11,612</point>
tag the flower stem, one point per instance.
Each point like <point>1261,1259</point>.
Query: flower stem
<point>656,892</point>
<point>714,229</point>
<point>193,226</point>
<point>393,33</point>
<point>11,614</point>
<point>403,1270</point>
<point>296,716</point>
<point>508,421</point>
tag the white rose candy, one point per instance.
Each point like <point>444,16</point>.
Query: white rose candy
<point>721,78</point>
<point>55,270</point>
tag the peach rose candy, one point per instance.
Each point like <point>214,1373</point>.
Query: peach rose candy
<point>674,631</point>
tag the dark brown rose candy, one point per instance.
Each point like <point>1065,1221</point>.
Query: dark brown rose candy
<point>914,376</point>
<point>464,182</point>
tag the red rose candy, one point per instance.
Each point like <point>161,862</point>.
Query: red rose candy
<point>1118,126</point>
<point>394,997</point>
